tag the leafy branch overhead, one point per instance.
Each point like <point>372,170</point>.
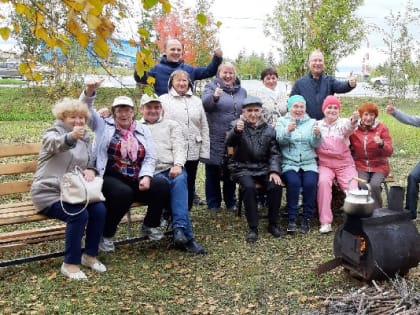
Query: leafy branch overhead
<point>91,23</point>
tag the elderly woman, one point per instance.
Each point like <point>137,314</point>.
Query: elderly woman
<point>298,136</point>
<point>274,101</point>
<point>66,145</point>
<point>222,100</point>
<point>181,105</point>
<point>371,146</point>
<point>125,156</point>
<point>334,157</point>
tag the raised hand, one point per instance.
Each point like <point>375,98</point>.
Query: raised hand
<point>92,84</point>
<point>292,125</point>
<point>218,92</point>
<point>390,109</point>
<point>78,132</point>
<point>352,80</point>
<point>240,124</point>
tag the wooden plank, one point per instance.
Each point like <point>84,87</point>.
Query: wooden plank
<point>18,168</point>
<point>15,187</point>
<point>18,239</point>
<point>7,150</point>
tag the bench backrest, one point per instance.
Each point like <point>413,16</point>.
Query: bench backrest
<point>17,160</point>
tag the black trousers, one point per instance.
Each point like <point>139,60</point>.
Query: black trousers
<point>191,169</point>
<point>249,193</point>
<point>121,192</point>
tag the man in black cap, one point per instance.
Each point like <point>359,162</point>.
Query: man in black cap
<point>255,159</point>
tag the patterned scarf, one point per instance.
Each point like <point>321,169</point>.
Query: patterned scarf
<point>129,144</point>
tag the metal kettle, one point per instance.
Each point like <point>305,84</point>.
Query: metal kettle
<point>359,202</point>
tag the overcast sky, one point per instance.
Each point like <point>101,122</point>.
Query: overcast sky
<point>242,22</point>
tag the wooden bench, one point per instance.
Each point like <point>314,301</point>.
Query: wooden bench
<point>20,225</point>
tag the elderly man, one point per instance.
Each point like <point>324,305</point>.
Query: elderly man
<point>316,85</point>
<point>171,61</point>
<point>171,157</point>
<point>255,158</point>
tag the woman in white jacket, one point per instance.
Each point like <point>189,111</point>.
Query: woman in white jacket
<point>181,105</point>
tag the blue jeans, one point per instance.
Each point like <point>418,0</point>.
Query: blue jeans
<point>412,195</point>
<point>295,181</point>
<point>213,189</point>
<point>178,201</point>
<point>92,218</point>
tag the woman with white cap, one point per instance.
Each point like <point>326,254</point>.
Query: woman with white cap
<point>126,158</point>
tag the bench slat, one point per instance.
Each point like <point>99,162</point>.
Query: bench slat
<point>15,187</point>
<point>8,150</point>
<point>18,239</point>
<point>18,168</point>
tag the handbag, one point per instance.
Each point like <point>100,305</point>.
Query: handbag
<point>76,190</point>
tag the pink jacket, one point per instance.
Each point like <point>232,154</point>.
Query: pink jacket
<point>334,151</point>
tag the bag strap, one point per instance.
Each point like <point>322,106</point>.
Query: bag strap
<point>78,171</point>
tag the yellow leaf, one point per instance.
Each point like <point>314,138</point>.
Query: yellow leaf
<point>151,80</point>
<point>73,26</point>
<point>132,43</point>
<point>95,7</point>
<point>93,21</point>
<point>51,42</point>
<point>5,33</point>
<point>143,32</point>
<point>202,19</point>
<point>166,6</point>
<point>83,39</point>
<point>22,9</point>
<point>148,4</point>
<point>101,48</point>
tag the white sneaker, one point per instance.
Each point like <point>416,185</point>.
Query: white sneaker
<point>78,275</point>
<point>96,266</point>
<point>152,233</point>
<point>325,228</point>
<point>106,244</point>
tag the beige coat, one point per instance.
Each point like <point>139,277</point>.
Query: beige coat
<point>188,111</point>
<point>169,143</point>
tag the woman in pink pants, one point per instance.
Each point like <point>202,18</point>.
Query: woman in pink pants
<point>334,157</point>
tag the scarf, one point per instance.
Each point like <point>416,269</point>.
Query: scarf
<point>129,144</point>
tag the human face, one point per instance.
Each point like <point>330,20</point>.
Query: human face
<point>151,111</point>
<point>173,50</point>
<point>124,115</point>
<point>270,81</point>
<point>74,119</point>
<point>316,64</point>
<point>298,110</point>
<point>180,83</point>
<point>252,114</point>
<point>368,119</point>
<point>227,75</point>
<point>331,113</point>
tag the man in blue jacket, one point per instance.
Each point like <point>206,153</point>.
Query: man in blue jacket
<point>316,85</point>
<point>171,61</point>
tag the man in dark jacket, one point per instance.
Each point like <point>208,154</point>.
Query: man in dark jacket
<point>316,85</point>
<point>255,159</point>
<point>171,61</point>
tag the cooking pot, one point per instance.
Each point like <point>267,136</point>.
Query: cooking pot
<point>359,202</point>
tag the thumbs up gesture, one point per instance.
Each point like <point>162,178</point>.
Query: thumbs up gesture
<point>240,124</point>
<point>352,80</point>
<point>218,91</point>
<point>316,129</point>
<point>378,140</point>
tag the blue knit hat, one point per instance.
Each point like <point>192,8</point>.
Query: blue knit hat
<point>294,99</point>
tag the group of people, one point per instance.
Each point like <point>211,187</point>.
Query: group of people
<point>299,142</point>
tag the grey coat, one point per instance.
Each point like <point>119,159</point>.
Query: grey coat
<point>220,114</point>
<point>59,154</point>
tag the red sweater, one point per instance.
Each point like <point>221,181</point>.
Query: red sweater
<point>367,154</point>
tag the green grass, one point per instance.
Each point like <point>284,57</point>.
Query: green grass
<point>274,276</point>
